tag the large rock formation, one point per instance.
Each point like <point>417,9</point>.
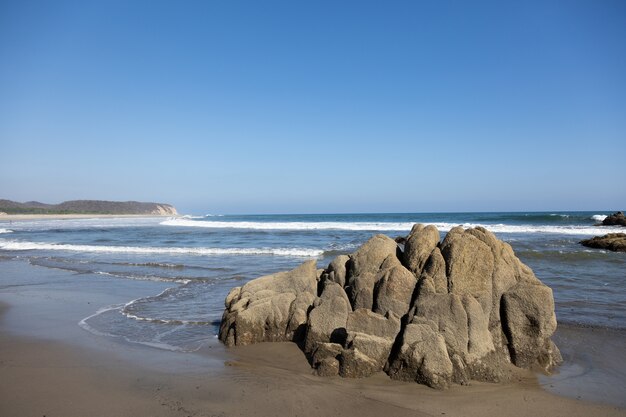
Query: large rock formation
<point>436,312</point>
<point>615,219</point>
<point>613,241</point>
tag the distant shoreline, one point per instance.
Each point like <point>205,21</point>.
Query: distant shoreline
<point>18,217</point>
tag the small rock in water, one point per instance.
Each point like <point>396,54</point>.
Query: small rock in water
<point>615,242</point>
<point>615,219</point>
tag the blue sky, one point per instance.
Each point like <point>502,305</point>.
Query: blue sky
<point>280,107</point>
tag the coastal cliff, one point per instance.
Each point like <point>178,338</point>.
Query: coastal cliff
<point>88,207</point>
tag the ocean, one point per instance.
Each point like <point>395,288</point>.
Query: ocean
<point>184,267</point>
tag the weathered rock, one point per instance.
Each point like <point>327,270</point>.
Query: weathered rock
<point>615,242</point>
<point>529,321</point>
<point>434,273</point>
<point>419,245</point>
<point>422,357</point>
<point>328,318</point>
<point>366,321</point>
<point>393,290</point>
<point>271,308</point>
<point>354,364</point>
<point>371,255</point>
<point>336,271</point>
<point>437,313</point>
<point>469,266</point>
<point>615,219</point>
<point>479,339</point>
<point>364,266</point>
<point>372,334</point>
<point>446,312</point>
<point>375,348</point>
<point>325,358</point>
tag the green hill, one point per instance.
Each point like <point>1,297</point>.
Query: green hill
<point>87,207</point>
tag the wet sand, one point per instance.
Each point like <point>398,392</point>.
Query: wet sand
<point>49,366</point>
<point>43,377</point>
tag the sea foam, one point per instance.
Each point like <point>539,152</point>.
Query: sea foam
<point>389,226</point>
<point>5,231</point>
<point>598,217</point>
<point>290,225</point>
<point>84,324</point>
<point>24,245</point>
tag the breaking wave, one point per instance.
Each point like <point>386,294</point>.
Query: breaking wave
<point>295,252</point>
<point>598,217</point>
<point>387,226</point>
<point>144,277</point>
<point>5,231</point>
<point>288,225</point>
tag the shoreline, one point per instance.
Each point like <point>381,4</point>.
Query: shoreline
<point>54,378</point>
<point>19,217</point>
<point>52,367</point>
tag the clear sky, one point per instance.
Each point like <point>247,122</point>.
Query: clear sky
<point>305,107</point>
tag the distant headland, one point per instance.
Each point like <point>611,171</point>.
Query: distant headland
<point>88,207</point>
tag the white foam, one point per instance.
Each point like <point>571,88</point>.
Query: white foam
<point>290,225</point>
<point>83,323</point>
<point>388,226</point>
<point>5,231</point>
<point>24,245</point>
<point>164,321</point>
<point>598,217</point>
<point>85,326</point>
<point>563,230</point>
<point>88,223</point>
<point>144,277</point>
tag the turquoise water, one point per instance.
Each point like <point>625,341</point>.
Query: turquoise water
<point>200,258</point>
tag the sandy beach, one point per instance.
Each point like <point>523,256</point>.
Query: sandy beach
<point>104,378</point>
<point>18,217</point>
<point>51,366</point>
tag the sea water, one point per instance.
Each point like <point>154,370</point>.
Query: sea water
<point>197,259</point>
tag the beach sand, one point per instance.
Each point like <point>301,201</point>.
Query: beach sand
<point>50,366</point>
<point>44,377</point>
<point>17,217</point>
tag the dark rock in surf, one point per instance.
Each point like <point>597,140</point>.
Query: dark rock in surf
<point>436,313</point>
<point>615,242</point>
<point>615,219</point>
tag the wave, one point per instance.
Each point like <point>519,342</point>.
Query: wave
<point>5,231</point>
<point>289,225</point>
<point>164,321</point>
<point>155,265</point>
<point>144,277</point>
<point>541,218</point>
<point>159,345</point>
<point>83,323</point>
<point>598,217</point>
<point>294,252</point>
<point>388,226</point>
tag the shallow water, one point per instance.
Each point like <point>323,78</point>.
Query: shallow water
<point>197,260</point>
